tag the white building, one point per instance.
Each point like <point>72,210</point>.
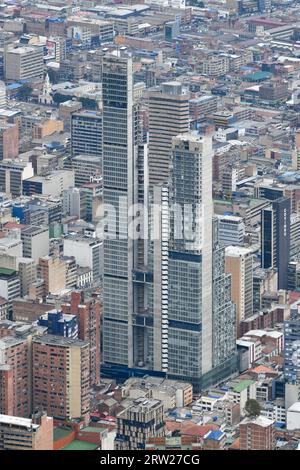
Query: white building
<point>71,202</point>
<point>231,230</point>
<point>87,251</point>
<point>24,63</point>
<point>35,242</point>
<point>293,417</point>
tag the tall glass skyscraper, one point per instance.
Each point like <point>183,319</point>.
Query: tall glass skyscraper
<point>119,193</point>
<point>158,270</point>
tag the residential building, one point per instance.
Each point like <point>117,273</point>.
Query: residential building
<point>88,313</point>
<point>60,377</point>
<point>257,434</point>
<point>137,423</point>
<point>239,263</point>
<point>9,141</point>
<point>6,389</point>
<point>15,353</point>
<point>21,434</point>
<point>52,269</point>
<point>27,274</point>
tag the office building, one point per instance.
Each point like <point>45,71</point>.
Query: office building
<point>85,167</point>
<point>88,312</point>
<point>51,185</point>
<point>137,423</point>
<point>87,251</point>
<point>24,63</point>
<point>119,192</point>
<point>168,116</point>
<point>12,174</point>
<point>275,239</point>
<point>60,377</point>
<point>21,434</point>
<point>239,263</point>
<point>231,230</point>
<point>14,353</point>
<point>59,324</point>
<point>35,242</point>
<point>257,434</point>
<point>86,134</point>
<point>9,141</point>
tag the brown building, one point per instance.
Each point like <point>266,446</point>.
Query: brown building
<point>26,434</point>
<point>257,434</point>
<point>60,376</point>
<point>53,271</point>
<point>274,91</point>
<point>6,390</point>
<point>88,313</point>
<point>14,352</point>
<point>9,141</point>
<point>239,263</point>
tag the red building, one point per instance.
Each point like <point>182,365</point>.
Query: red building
<point>60,377</point>
<point>88,312</point>
<point>257,434</point>
<point>14,352</point>
<point>6,390</point>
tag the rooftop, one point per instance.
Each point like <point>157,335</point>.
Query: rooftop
<point>80,445</point>
<point>242,385</point>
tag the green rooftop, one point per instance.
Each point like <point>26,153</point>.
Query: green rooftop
<point>80,445</point>
<point>258,76</point>
<point>7,272</point>
<point>92,429</point>
<point>59,433</point>
<point>242,385</point>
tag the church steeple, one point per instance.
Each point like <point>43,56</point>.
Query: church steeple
<point>45,96</point>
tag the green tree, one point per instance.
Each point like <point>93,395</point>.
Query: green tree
<point>252,408</point>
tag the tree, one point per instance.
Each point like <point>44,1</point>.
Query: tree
<point>252,408</point>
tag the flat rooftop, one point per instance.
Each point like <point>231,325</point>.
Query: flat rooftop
<point>16,421</point>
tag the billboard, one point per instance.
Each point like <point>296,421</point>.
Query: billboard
<point>50,49</point>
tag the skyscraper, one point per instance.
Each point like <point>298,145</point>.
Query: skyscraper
<point>275,239</point>
<point>190,341</point>
<point>119,195</point>
<point>168,116</point>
